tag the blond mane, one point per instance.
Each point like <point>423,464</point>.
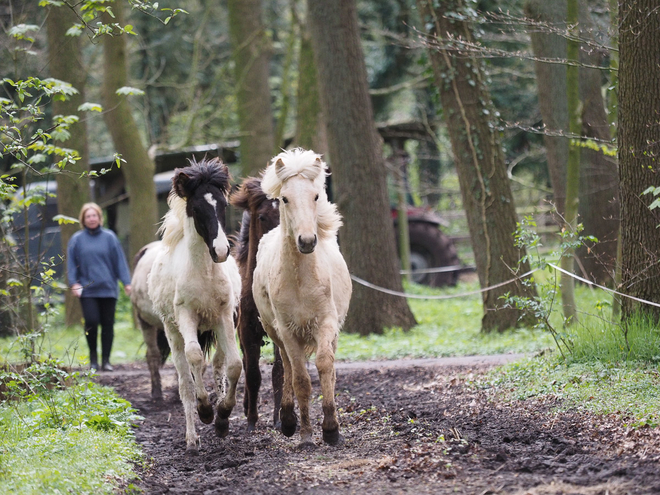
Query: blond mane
<point>172,227</point>
<point>304,163</point>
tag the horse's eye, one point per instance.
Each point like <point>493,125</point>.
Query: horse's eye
<point>261,217</point>
<point>284,200</point>
<point>316,198</point>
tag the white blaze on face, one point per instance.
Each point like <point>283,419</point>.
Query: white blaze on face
<point>220,243</point>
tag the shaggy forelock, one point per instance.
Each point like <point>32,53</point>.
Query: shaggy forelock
<point>296,162</point>
<point>209,171</point>
<point>303,162</point>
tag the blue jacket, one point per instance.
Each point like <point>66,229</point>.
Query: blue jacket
<point>96,261</point>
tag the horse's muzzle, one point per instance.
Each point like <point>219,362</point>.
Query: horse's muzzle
<point>306,246</point>
<point>215,257</point>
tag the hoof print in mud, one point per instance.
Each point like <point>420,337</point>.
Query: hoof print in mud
<point>306,446</point>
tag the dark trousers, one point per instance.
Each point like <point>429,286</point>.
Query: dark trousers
<point>99,311</point>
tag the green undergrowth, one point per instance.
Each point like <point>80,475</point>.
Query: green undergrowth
<point>63,439</point>
<point>69,345</point>
<point>610,368</point>
<point>630,389</point>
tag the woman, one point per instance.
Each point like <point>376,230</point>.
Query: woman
<point>95,263</point>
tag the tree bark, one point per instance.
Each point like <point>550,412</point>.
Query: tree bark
<point>639,149</point>
<point>139,169</point>
<point>359,175</point>
<point>310,122</point>
<point>66,64</point>
<point>573,166</point>
<point>599,193</point>
<point>479,159</point>
<point>251,54</point>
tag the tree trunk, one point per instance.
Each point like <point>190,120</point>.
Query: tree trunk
<point>639,148</point>
<point>359,176</point>
<point>598,209</point>
<point>573,166</point>
<point>66,64</point>
<point>139,168</point>
<point>479,162</point>
<point>310,122</point>
<point>251,54</point>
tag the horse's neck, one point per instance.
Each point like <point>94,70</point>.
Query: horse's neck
<point>198,251</point>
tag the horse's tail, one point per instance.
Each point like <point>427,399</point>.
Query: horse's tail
<point>163,346</point>
<point>206,341</point>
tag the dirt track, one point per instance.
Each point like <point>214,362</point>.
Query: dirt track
<point>408,429</point>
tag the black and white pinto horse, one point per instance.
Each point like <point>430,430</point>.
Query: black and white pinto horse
<point>195,286</point>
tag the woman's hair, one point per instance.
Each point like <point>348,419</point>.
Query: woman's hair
<point>90,206</point>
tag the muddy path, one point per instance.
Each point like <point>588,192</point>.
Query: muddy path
<point>420,428</point>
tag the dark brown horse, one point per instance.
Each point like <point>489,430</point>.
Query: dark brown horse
<point>260,216</point>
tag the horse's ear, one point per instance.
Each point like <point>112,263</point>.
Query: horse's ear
<point>279,165</point>
<point>179,183</point>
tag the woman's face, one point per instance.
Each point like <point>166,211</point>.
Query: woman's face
<point>91,219</point>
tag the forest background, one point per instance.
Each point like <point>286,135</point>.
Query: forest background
<point>201,80</point>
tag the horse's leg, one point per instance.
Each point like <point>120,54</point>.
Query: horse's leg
<point>302,386</point>
<point>226,361</point>
<point>287,413</point>
<point>186,387</point>
<point>251,345</point>
<point>277,379</point>
<point>150,334</point>
<point>325,364</point>
<point>195,357</point>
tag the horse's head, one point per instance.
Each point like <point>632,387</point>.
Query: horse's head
<point>297,179</point>
<point>204,186</point>
<point>251,197</point>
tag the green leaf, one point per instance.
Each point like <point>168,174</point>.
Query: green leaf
<point>20,31</point>
<point>90,107</point>
<point>75,30</point>
<point>129,91</point>
<point>64,220</point>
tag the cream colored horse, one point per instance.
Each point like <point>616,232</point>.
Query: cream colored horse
<point>302,286</point>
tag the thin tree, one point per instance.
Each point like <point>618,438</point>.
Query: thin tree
<point>358,169</point>
<point>251,55</point>
<point>66,64</point>
<point>573,165</point>
<point>639,150</point>
<point>479,159</point>
<point>139,169</point>
<point>598,208</point>
<point>310,123</point>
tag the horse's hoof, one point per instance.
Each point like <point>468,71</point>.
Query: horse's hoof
<point>221,427</point>
<point>333,438</point>
<point>157,395</point>
<point>289,422</point>
<point>288,429</point>
<point>205,413</point>
<point>277,426</point>
<point>192,451</point>
<point>306,445</point>
<point>251,426</point>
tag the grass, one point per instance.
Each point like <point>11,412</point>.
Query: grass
<point>69,344</point>
<point>628,389</point>
<point>76,440</point>
<point>445,328</point>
